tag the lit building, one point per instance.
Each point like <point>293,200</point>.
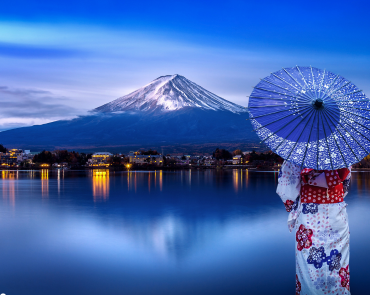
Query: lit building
<point>14,157</point>
<point>237,159</point>
<point>208,161</point>
<point>100,159</point>
<point>146,159</point>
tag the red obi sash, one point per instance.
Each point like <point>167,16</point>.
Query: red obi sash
<point>333,193</point>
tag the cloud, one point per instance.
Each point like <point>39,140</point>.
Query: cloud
<point>22,92</point>
<point>25,107</point>
<point>37,52</point>
<point>119,61</point>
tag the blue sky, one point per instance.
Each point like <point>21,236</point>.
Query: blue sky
<point>60,59</point>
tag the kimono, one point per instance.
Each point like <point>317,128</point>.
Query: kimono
<point>317,212</point>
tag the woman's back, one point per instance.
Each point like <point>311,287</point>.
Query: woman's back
<point>318,215</point>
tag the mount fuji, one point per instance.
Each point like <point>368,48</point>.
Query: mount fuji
<point>171,113</point>
<point>170,93</point>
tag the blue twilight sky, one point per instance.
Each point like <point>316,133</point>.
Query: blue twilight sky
<point>59,59</point>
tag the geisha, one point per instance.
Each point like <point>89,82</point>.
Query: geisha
<point>317,212</point>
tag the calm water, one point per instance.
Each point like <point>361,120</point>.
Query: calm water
<point>186,232</point>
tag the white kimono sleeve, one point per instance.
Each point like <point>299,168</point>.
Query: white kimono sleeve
<point>289,186</point>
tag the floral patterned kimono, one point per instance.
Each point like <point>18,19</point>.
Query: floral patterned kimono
<point>318,214</point>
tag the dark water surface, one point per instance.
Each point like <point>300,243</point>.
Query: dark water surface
<point>184,232</point>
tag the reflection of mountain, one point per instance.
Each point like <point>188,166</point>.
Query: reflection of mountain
<point>179,235</point>
<point>149,213</point>
<point>168,235</point>
<point>173,214</point>
<point>172,236</point>
<point>171,112</point>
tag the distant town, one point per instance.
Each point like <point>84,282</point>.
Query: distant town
<point>143,159</point>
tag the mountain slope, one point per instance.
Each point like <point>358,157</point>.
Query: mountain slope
<point>155,116</point>
<point>169,93</point>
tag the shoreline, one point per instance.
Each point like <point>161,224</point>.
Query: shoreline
<point>152,168</point>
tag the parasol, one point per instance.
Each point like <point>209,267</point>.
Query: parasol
<point>312,117</point>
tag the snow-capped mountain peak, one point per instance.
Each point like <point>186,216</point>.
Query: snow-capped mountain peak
<point>170,93</point>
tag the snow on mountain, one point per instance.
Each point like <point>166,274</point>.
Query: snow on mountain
<point>170,93</point>
<point>171,113</point>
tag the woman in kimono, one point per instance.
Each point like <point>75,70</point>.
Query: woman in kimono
<point>317,212</point>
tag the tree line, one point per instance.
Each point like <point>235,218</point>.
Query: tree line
<point>61,156</point>
<point>266,158</point>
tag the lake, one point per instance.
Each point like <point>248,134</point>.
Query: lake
<point>158,232</point>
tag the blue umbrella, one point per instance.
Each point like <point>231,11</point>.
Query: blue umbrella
<point>312,117</point>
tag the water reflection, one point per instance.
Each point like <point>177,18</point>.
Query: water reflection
<point>236,177</point>
<point>152,178</point>
<point>100,185</point>
<point>240,179</point>
<point>58,178</point>
<point>362,183</point>
<point>135,183</point>
<point>129,173</point>
<point>246,177</point>
<point>212,228</point>
<point>149,181</point>
<point>9,181</point>
<point>160,180</point>
<point>45,183</point>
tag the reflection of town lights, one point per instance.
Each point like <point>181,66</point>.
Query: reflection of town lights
<point>100,185</point>
<point>9,187</point>
<point>236,180</point>
<point>100,173</point>
<point>45,182</point>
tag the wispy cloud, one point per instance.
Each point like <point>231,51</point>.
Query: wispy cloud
<point>26,51</point>
<point>24,107</point>
<point>92,65</point>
